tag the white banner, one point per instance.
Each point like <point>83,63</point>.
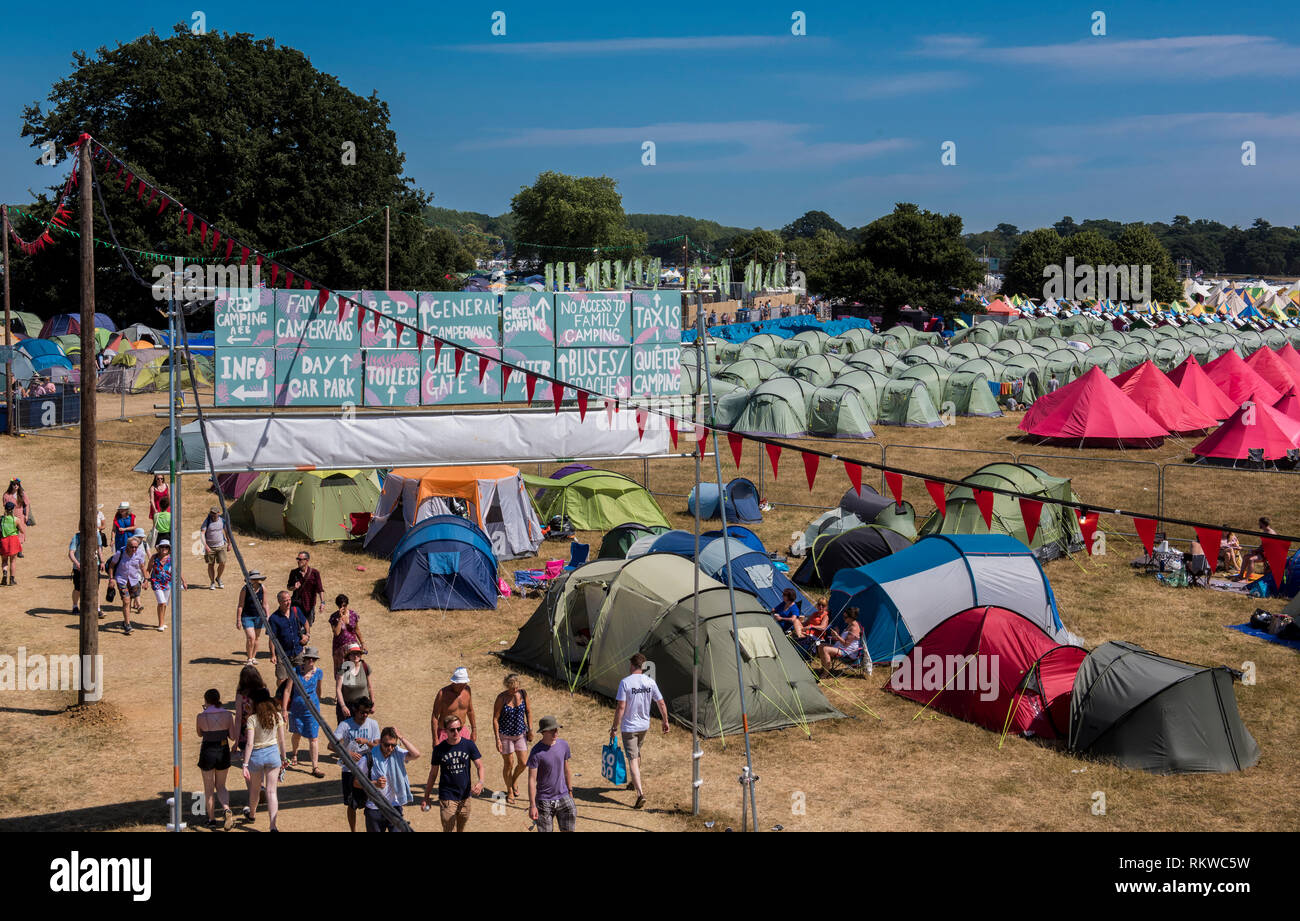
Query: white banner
<point>287,442</point>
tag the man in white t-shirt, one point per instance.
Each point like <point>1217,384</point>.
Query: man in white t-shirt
<point>635,692</point>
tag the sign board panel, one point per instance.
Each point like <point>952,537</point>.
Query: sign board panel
<point>401,305</point>
<point>299,325</point>
<point>657,369</point>
<point>317,377</point>
<point>245,377</point>
<point>541,360</point>
<point>607,372</point>
<point>392,377</point>
<point>245,318</point>
<point>528,319</point>
<point>656,316</point>
<point>593,319</point>
<point>464,317</point>
<point>441,386</point>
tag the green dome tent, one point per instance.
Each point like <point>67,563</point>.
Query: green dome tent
<point>1009,348</point>
<point>851,340</point>
<point>935,378</point>
<point>968,350</point>
<point>777,408</point>
<point>1101,356</point>
<point>926,355</point>
<point>1169,353</point>
<point>311,505</point>
<point>1133,354</point>
<point>1058,528</point>
<point>595,500</point>
<point>970,394</point>
<point>1199,347</point>
<point>838,411</point>
<point>809,342</point>
<point>749,372</point>
<point>596,617</point>
<point>1020,328</point>
<point>818,370</point>
<point>1066,364</point>
<point>873,360</point>
<point>764,345</point>
<point>728,407</point>
<point>907,402</point>
<point>985,332</point>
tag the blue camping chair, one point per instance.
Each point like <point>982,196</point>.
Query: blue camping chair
<point>578,554</point>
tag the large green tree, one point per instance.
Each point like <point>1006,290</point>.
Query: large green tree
<point>810,222</point>
<point>255,139</point>
<point>817,256</point>
<point>909,257</point>
<point>570,218</point>
<point>1036,251</point>
<point>1139,247</point>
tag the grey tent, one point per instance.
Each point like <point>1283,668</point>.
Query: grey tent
<point>907,402</point>
<point>778,407</point>
<point>873,360</point>
<point>764,345</point>
<point>839,412</point>
<point>1144,711</point>
<point>748,372</point>
<point>596,617</point>
<point>818,370</point>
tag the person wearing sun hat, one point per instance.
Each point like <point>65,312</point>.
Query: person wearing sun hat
<point>250,617</point>
<point>12,529</point>
<point>302,722</point>
<point>454,700</point>
<point>215,538</point>
<point>550,780</point>
<point>123,526</point>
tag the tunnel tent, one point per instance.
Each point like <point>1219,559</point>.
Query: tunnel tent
<point>776,408</point>
<point>615,544</point>
<point>834,550</point>
<point>807,343</point>
<point>851,340</point>
<point>764,345</point>
<point>877,360</point>
<point>1151,713</point>
<point>1008,348</point>
<point>1066,363</point>
<point>867,384</point>
<point>1058,529</point>
<point>984,333</point>
<point>907,402</point>
<point>741,501</point>
<point>926,355</point>
<point>818,370</point>
<point>749,372</point>
<point>597,500</point>
<point>1101,356</point>
<point>1133,354</point>
<point>839,411</point>
<point>491,496</point>
<point>310,505</point>
<point>970,394</point>
<point>595,617</point>
<point>1168,353</point>
<point>443,563</point>
<point>967,351</point>
<point>728,408</point>
<point>935,378</point>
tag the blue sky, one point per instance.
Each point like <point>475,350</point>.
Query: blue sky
<point>753,125</point>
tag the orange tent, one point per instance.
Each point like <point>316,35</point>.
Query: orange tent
<point>1002,308</point>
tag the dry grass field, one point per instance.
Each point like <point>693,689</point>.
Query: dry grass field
<point>109,767</point>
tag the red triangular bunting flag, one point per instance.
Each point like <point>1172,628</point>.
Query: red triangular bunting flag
<point>936,493</point>
<point>582,405</point>
<point>700,438</point>
<point>130,178</point>
<point>984,499</point>
<point>189,224</point>
<point>437,349</point>
<point>810,462</point>
<point>482,368</point>
<point>216,238</point>
<point>672,431</point>
<point>243,255</point>
<point>419,341</point>
<point>1275,552</point>
<point>306,286</point>
<point>1088,525</point>
<point>641,415</point>
<point>1209,538</point>
<point>505,375</point>
<point>275,273</point>
<point>139,190</point>
<point>375,329</point>
<point>324,298</point>
<point>737,442</point>
<point>153,194</point>
<point>530,384</point>
<point>895,483</point>
<point>855,475</point>
<point>343,308</point>
<point>230,246</point>
<point>774,455</point>
<point>361,316</point>
<point>557,395</point>
<point>288,278</point>
<point>1146,528</point>
<point>1030,510</point>
<point>460,360</point>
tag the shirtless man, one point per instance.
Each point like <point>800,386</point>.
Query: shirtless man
<point>454,700</point>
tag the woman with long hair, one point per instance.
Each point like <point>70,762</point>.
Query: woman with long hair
<point>512,725</point>
<point>250,679</point>
<point>215,725</point>
<point>264,752</point>
<point>158,490</point>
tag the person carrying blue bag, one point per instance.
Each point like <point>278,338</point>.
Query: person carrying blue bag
<point>635,694</point>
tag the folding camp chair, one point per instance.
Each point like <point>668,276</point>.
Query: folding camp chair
<point>578,554</point>
<point>1197,567</point>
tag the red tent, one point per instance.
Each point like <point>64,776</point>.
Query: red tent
<point>1289,355</point>
<point>1254,426</point>
<point>1265,362</point>
<point>1092,409</point>
<point>1148,387</point>
<point>1289,405</point>
<point>1001,307</point>
<point>1192,380</point>
<point>995,668</point>
<point>1238,380</point>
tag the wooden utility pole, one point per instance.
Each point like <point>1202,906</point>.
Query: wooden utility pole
<point>385,248</point>
<point>11,405</point>
<point>89,461</point>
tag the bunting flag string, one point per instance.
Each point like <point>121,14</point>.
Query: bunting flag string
<point>1146,529</point>
<point>895,483</point>
<point>810,462</point>
<point>582,405</point>
<point>937,494</point>
<point>1088,522</point>
<point>1031,508</point>
<point>984,499</point>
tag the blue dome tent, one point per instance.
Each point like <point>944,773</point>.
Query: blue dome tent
<point>741,499</point>
<point>443,563</point>
<point>750,571</point>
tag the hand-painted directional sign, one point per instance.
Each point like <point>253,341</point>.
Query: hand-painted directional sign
<point>528,319</point>
<point>541,360</point>
<point>245,318</point>
<point>656,316</point>
<point>593,319</point>
<point>300,325</point>
<point>604,371</point>
<point>245,376</point>
<point>657,369</point>
<point>464,317</point>
<point>401,305</point>
<point>440,385</point>
<point>392,377</point>
<point>317,377</point>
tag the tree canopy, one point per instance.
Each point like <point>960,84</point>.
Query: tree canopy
<point>562,217</point>
<point>264,156</point>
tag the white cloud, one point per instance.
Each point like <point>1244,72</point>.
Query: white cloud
<point>906,85</point>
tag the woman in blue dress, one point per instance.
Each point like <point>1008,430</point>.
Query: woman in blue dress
<point>301,721</point>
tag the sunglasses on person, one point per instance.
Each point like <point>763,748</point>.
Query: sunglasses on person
<point>302,559</point>
<point>451,729</point>
<point>387,746</point>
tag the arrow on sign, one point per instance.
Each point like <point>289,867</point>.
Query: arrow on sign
<point>239,393</point>
<point>346,360</point>
<point>389,336</point>
<point>392,394</point>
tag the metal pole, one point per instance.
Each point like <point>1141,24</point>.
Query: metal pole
<point>11,408</point>
<point>696,752</point>
<point>88,641</point>
<point>385,247</point>
<point>748,777</point>
<point>173,435</point>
